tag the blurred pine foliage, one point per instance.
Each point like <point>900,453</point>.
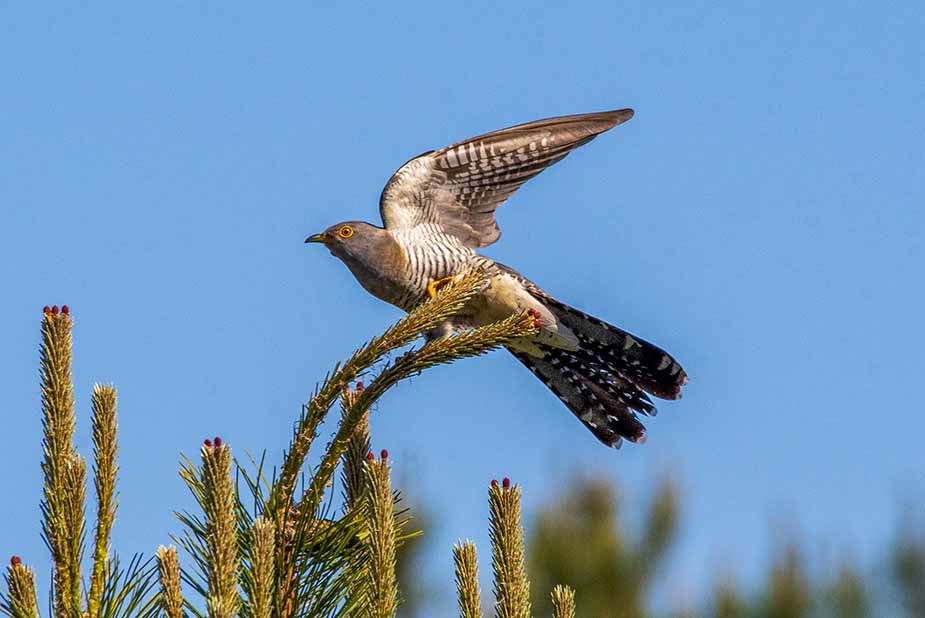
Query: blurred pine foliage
<point>615,571</point>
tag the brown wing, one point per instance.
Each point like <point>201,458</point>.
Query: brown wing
<point>459,187</point>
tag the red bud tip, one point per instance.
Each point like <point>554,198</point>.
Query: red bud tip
<point>46,309</point>
<point>384,454</point>
<point>207,442</point>
<point>54,309</point>
<point>370,456</point>
<point>218,442</point>
<point>359,386</point>
<point>494,483</point>
<point>15,561</point>
<point>506,483</point>
<point>65,309</point>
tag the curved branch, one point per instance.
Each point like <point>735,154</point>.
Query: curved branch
<point>428,315</point>
<point>437,352</point>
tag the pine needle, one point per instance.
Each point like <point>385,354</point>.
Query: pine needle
<point>512,590</point>
<point>20,581</point>
<point>563,602</point>
<point>353,471</point>
<point>263,555</point>
<point>380,518</point>
<point>220,504</point>
<point>168,568</point>
<point>465,559</point>
<point>63,469</point>
<point>105,470</point>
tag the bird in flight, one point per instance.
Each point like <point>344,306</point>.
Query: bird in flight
<point>439,207</point>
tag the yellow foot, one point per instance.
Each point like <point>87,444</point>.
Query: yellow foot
<point>436,284</point>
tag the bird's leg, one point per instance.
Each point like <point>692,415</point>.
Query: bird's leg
<point>436,284</point>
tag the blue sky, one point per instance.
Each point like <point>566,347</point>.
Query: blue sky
<point>761,217</point>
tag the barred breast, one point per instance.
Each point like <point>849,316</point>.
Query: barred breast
<point>432,255</point>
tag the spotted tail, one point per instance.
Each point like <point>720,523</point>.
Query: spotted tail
<point>604,383</point>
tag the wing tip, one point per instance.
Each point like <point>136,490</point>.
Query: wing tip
<point>619,116</point>
<point>599,122</point>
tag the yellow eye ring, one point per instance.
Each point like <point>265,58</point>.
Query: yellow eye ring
<point>345,231</point>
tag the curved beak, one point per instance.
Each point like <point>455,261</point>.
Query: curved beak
<point>316,238</point>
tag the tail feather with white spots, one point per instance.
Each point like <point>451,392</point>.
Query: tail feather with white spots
<point>644,364</point>
<point>604,382</point>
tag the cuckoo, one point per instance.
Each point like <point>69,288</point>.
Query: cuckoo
<point>439,207</point>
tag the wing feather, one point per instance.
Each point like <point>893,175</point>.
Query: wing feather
<point>459,188</point>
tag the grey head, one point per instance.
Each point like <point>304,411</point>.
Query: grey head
<point>351,240</point>
<point>370,252</point>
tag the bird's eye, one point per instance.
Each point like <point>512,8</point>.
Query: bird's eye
<point>345,231</point>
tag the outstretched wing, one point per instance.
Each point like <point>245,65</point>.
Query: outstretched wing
<point>459,187</point>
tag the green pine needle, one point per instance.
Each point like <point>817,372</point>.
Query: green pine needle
<point>512,590</point>
<point>465,559</point>
<point>105,471</point>
<point>63,469</point>
<point>21,601</point>
<point>563,602</point>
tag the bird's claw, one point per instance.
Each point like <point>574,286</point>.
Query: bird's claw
<point>434,286</point>
<point>536,315</point>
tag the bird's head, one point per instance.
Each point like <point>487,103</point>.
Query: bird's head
<point>353,241</point>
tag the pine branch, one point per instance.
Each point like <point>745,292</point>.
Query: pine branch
<point>436,352</point>
<point>660,531</point>
<point>353,470</point>
<point>439,351</point>
<point>448,301</point>
<point>311,564</point>
<point>262,568</point>
<point>355,483</point>
<point>127,592</point>
<point>168,569</point>
<point>104,455</point>
<point>467,580</point>
<point>75,497</point>
<point>63,470</point>
<point>20,581</point>
<point>727,603</point>
<point>789,592</point>
<point>380,539</point>
<point>512,590</point>
<point>563,602</point>
<point>220,506</point>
